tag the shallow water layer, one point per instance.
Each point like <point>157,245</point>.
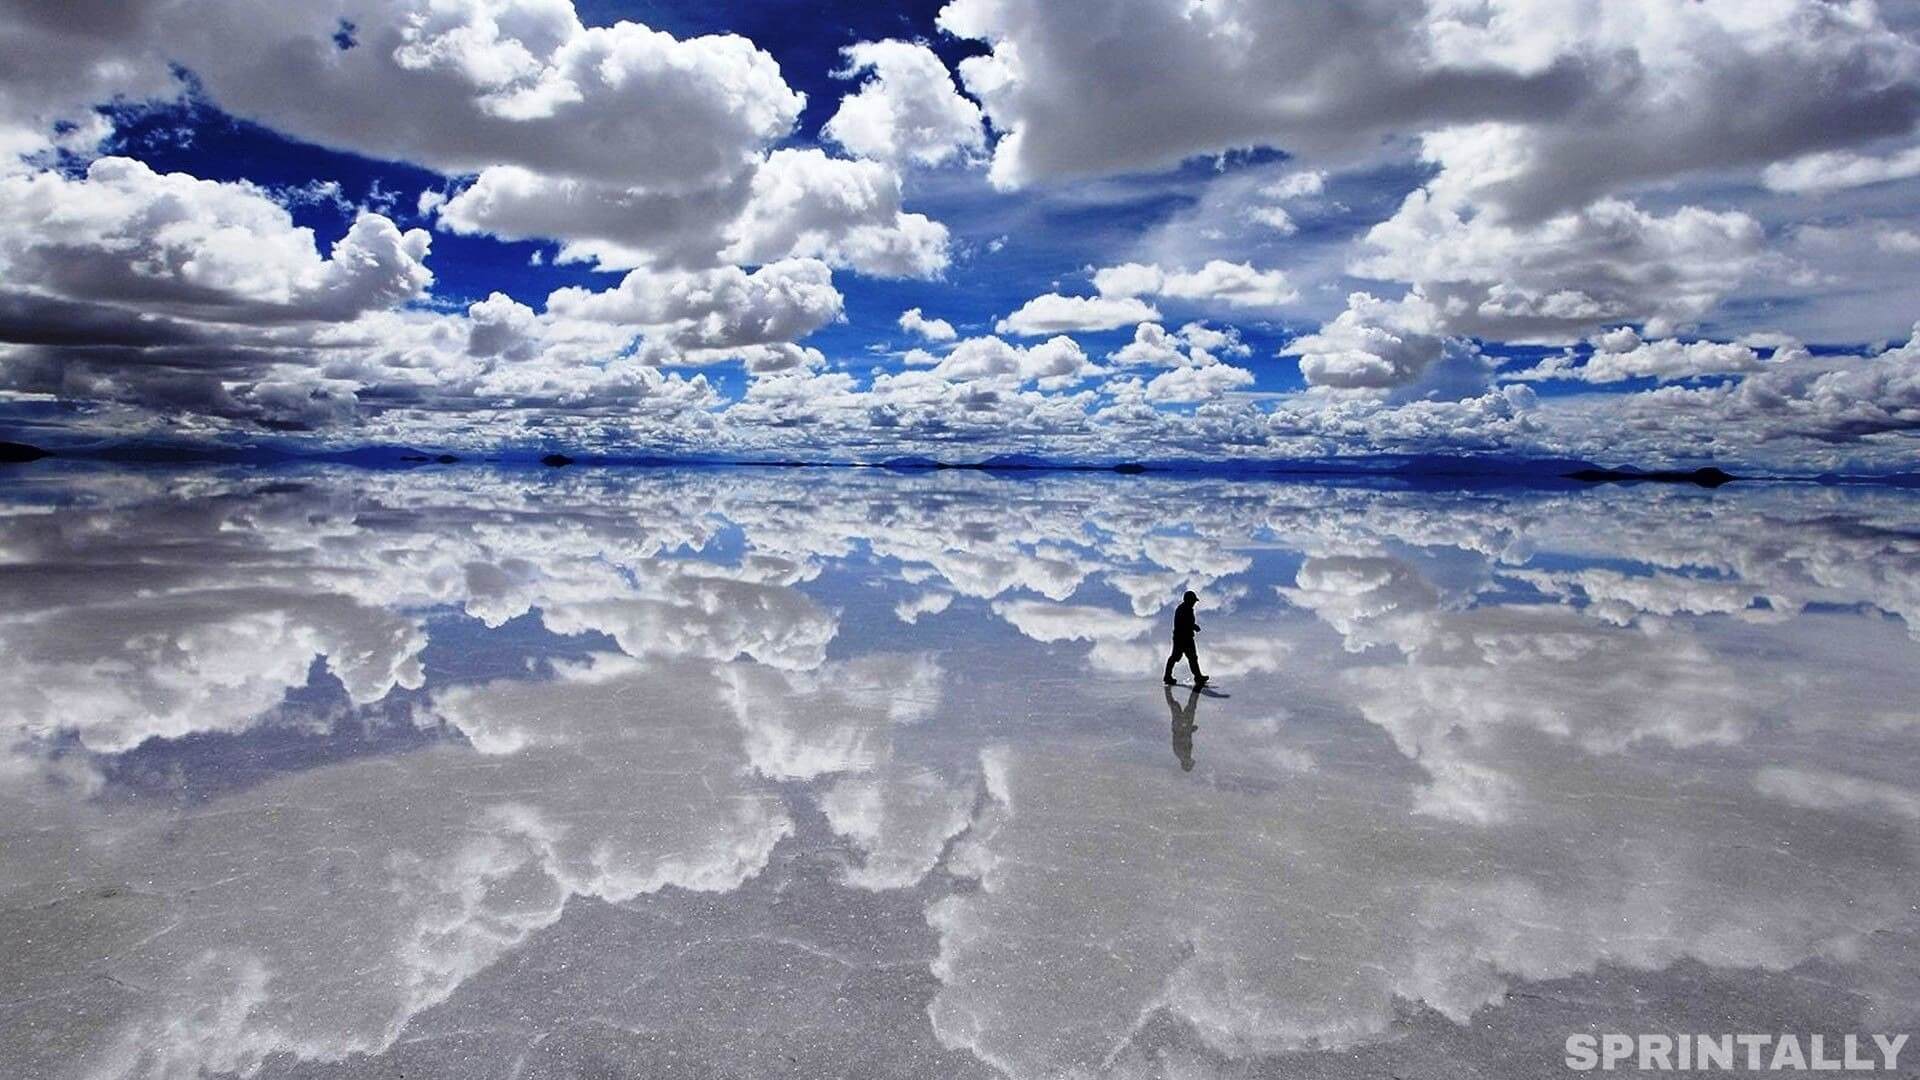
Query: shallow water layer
<point>736,773</point>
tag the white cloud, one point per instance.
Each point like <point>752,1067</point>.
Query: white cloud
<point>795,204</point>
<point>1587,100</point>
<point>1579,171</point>
<point>906,110</point>
<point>502,326</point>
<point>463,87</point>
<point>611,226</point>
<point>1293,186</point>
<point>1217,282</point>
<point>1163,82</point>
<point>1153,345</point>
<point>1834,170</point>
<point>172,244</point>
<point>1622,355</point>
<point>57,64</point>
<point>1898,242</point>
<point>714,309</point>
<point>913,322</point>
<point>1538,121</point>
<point>1275,218</point>
<point>1187,385</point>
<point>1296,185</point>
<point>1226,340</point>
<point>1825,399</point>
<point>1054,313</point>
<point>1373,345</point>
<point>1564,276</point>
<point>1055,363</point>
<point>1197,375</point>
<point>805,204</point>
<point>187,296</point>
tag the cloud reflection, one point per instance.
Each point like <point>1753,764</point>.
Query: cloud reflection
<point>1474,741</point>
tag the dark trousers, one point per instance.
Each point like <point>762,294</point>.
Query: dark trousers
<point>1183,646</point>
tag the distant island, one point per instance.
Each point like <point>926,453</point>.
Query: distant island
<point>16,452</point>
<point>1708,477</point>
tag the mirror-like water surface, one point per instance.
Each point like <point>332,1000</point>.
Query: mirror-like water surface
<point>734,773</point>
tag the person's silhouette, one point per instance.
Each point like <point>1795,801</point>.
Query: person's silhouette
<point>1183,630</point>
<point>1183,726</point>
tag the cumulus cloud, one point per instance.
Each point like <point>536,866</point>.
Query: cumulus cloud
<point>1057,362</point>
<point>1217,282</point>
<point>1565,276</point>
<point>176,293</point>
<point>1576,103</point>
<point>1151,83</point>
<point>1197,374</point>
<point>1186,385</point>
<point>1622,355</point>
<point>805,204</point>
<point>1296,185</point>
<point>714,309</point>
<point>172,244</point>
<point>1376,345</point>
<point>1054,313</point>
<point>1538,126</point>
<point>794,204</point>
<point>907,108</point>
<point>1266,207</point>
<point>59,65</point>
<point>1154,345</point>
<point>460,88</point>
<point>1572,173</point>
<point>1834,170</point>
<point>1827,400</point>
<point>913,322</point>
<point>610,226</point>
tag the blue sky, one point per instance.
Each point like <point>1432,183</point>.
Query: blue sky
<point>1653,232</point>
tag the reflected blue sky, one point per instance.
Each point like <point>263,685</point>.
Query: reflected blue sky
<point>469,771</point>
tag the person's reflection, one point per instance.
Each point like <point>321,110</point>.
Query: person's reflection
<point>1183,725</point>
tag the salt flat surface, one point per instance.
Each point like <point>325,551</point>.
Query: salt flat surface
<point>470,772</point>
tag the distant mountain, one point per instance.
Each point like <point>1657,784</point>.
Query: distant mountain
<point>1489,465</point>
<point>164,452</point>
<point>1017,462</point>
<point>556,460</point>
<point>1708,477</point>
<point>374,456</point>
<point>1904,480</point>
<point>15,452</point>
<point>169,453</point>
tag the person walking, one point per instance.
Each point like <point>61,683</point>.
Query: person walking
<point>1183,630</point>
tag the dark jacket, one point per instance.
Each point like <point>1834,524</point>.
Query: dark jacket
<point>1183,625</point>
